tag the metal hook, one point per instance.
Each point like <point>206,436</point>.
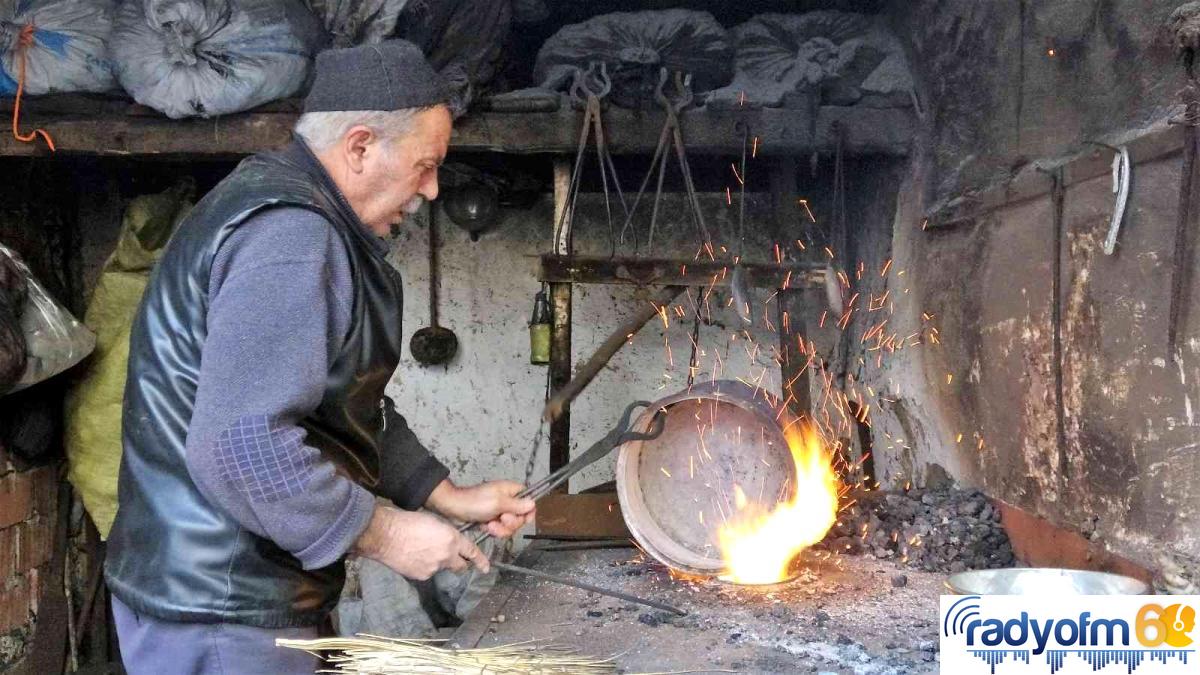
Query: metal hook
<point>683,91</point>
<point>581,85</point>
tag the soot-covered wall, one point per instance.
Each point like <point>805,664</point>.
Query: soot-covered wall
<point>1011,88</point>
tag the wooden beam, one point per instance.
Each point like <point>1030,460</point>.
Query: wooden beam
<point>560,327</point>
<point>111,127</point>
<point>662,272</point>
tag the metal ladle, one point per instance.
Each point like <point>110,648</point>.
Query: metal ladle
<point>433,345</point>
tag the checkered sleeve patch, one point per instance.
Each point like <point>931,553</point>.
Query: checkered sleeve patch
<point>265,461</point>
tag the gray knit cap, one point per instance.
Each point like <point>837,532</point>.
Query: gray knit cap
<point>387,76</point>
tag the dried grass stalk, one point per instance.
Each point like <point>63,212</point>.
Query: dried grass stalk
<point>376,655</point>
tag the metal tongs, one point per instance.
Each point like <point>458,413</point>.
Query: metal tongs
<point>619,435</point>
<point>588,88</point>
<point>670,136</point>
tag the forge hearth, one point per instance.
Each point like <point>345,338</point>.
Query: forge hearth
<point>841,613</point>
<point>864,600</point>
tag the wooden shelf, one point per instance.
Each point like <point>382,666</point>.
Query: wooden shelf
<point>113,127</point>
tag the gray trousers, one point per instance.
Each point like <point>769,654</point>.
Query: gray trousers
<point>152,646</point>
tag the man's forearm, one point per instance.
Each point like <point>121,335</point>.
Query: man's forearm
<point>442,497</point>
<point>370,543</point>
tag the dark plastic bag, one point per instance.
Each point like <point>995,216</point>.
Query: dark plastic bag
<point>634,46</point>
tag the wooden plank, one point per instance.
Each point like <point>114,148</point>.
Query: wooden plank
<point>657,271</point>
<point>230,136</point>
<point>593,514</point>
<point>112,127</point>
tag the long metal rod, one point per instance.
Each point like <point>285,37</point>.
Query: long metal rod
<point>1180,271</point>
<point>1057,201</point>
<point>588,587</point>
<point>570,537</point>
<point>561,398</point>
<point>587,545</point>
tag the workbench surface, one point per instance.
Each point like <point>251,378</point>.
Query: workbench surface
<point>847,614</point>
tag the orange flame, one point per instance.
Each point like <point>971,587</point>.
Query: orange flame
<point>758,546</point>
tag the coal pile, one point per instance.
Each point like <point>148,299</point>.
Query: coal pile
<point>946,529</point>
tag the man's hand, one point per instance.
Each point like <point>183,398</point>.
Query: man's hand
<point>417,545</point>
<point>493,503</point>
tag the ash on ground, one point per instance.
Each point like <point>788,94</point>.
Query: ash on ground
<point>943,529</point>
<point>842,614</point>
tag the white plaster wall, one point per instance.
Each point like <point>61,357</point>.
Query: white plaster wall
<point>479,414</point>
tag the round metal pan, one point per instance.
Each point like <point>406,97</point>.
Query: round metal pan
<point>676,490</point>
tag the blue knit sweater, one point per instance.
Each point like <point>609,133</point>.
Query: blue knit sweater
<point>281,295</point>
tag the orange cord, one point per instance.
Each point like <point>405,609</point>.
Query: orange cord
<point>24,42</point>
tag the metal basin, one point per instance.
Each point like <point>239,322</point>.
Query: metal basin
<point>677,489</point>
<point>1042,581</point>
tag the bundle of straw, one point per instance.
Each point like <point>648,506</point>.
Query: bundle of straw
<point>376,655</point>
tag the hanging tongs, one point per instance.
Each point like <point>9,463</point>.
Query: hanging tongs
<point>738,283</point>
<point>588,88</point>
<point>671,135</point>
<point>616,437</point>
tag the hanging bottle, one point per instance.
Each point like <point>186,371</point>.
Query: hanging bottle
<point>539,330</point>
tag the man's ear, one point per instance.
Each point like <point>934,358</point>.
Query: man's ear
<point>357,142</point>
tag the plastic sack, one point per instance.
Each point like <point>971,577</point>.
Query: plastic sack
<point>54,340</point>
<point>634,45</point>
<point>66,45</point>
<point>828,52</point>
<point>93,405</point>
<point>199,58</point>
<point>357,22</point>
<point>13,290</point>
<point>462,39</point>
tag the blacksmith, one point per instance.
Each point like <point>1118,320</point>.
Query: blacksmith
<point>256,430</point>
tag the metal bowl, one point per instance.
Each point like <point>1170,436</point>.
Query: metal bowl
<point>1042,581</point>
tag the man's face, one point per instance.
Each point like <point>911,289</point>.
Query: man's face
<point>399,174</point>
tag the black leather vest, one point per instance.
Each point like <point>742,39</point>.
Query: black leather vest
<point>171,554</point>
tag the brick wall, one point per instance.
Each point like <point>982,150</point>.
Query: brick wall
<point>38,216</point>
<point>27,505</point>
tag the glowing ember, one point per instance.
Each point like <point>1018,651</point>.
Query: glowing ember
<point>758,546</point>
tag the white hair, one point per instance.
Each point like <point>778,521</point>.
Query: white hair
<point>322,129</point>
